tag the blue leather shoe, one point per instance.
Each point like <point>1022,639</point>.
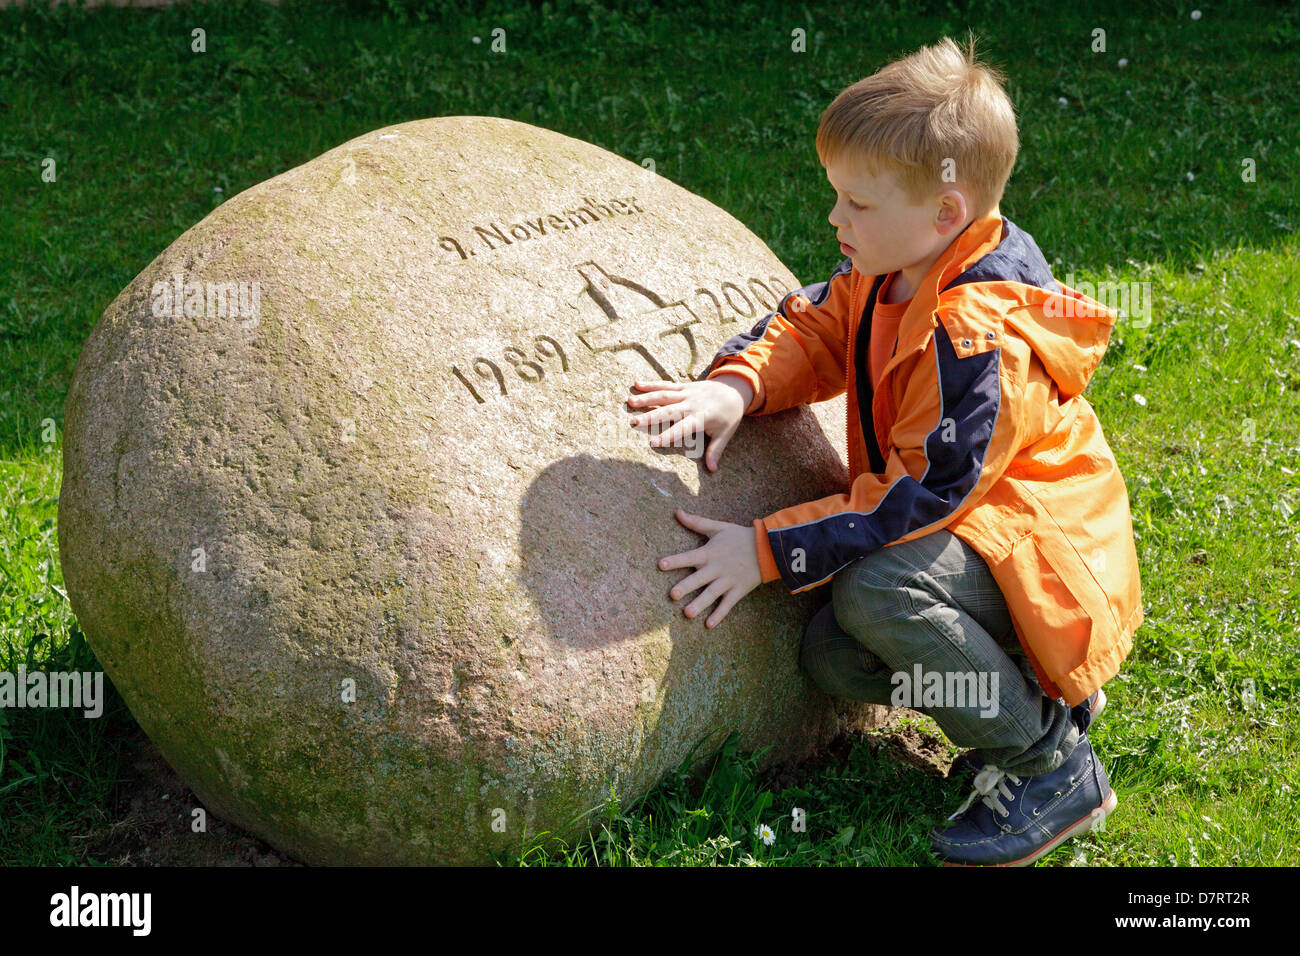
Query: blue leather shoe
<point>966,765</point>
<point>1088,710</point>
<point>1012,821</point>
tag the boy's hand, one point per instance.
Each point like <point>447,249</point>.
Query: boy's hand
<point>728,564</point>
<point>714,406</point>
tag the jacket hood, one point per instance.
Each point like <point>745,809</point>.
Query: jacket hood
<point>1067,330</point>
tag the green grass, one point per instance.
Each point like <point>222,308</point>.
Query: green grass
<point>144,134</point>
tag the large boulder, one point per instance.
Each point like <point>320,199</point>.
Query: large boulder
<point>354,519</point>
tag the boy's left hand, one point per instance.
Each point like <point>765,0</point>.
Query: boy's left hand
<point>728,564</point>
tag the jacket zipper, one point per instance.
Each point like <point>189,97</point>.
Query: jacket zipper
<point>851,378</point>
<point>848,372</point>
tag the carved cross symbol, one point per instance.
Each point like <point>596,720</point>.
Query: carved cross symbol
<point>641,332</point>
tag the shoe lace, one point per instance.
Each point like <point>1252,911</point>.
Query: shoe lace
<point>990,787</point>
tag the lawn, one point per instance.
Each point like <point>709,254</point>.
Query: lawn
<point>1167,160</point>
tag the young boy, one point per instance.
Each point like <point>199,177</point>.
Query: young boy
<point>986,539</point>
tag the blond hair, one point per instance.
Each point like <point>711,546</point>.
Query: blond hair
<point>938,118</point>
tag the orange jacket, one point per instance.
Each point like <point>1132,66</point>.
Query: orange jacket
<point>979,426</point>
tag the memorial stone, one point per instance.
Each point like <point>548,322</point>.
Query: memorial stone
<point>354,518</point>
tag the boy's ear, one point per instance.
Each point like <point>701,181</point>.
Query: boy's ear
<point>951,216</point>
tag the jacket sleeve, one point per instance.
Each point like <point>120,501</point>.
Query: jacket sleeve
<point>798,353</point>
<point>955,435</point>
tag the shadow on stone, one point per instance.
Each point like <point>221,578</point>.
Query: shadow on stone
<point>592,532</point>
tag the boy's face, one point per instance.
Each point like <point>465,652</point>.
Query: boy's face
<point>891,233</point>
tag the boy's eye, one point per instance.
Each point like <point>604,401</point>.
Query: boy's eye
<point>856,206</point>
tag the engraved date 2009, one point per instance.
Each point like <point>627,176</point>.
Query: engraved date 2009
<point>642,332</point>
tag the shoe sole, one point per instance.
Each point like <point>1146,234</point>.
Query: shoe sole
<point>1078,828</point>
<point>1101,704</point>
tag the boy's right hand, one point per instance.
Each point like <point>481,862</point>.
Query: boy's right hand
<point>714,406</point>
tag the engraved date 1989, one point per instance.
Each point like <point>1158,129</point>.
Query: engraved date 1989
<point>644,332</point>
